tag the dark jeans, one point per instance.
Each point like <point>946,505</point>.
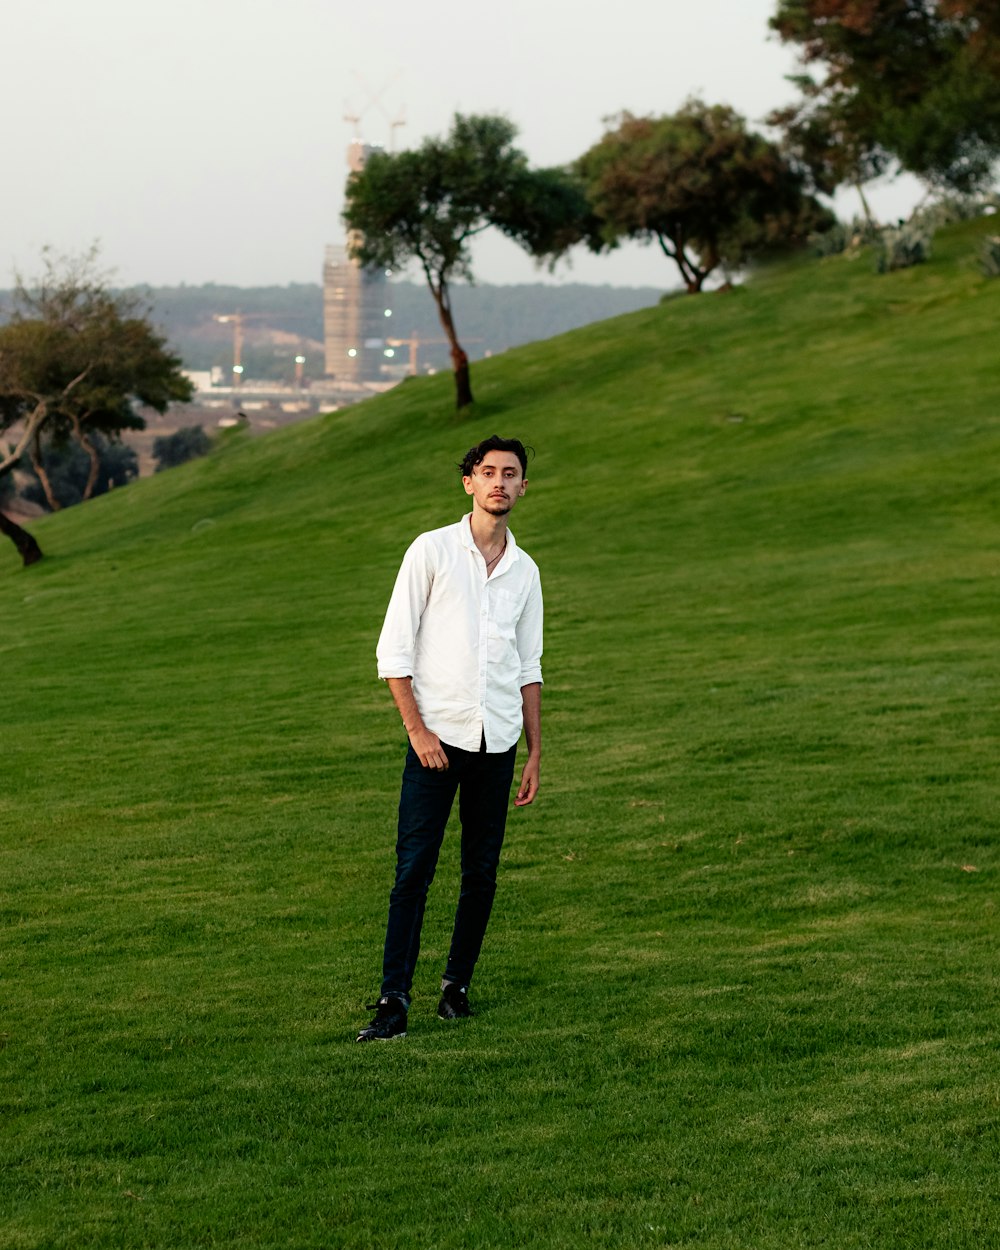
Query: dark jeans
<point>483,783</point>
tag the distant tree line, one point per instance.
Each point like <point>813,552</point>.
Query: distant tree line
<point>495,318</point>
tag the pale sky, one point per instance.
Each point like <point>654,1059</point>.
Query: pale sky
<point>205,140</point>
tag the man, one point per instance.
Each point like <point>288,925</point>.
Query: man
<point>461,652</point>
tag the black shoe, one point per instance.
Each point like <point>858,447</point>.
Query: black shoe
<point>389,1022</point>
<point>454,1004</point>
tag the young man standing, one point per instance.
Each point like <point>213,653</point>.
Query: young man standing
<point>461,652</point>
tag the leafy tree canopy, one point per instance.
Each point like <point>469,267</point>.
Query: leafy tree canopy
<point>913,82</point>
<point>73,357</point>
<point>707,189</point>
<point>428,204</point>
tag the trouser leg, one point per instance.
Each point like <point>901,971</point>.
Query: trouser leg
<point>483,799</point>
<point>425,802</point>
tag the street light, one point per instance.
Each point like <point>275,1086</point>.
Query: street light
<point>299,362</point>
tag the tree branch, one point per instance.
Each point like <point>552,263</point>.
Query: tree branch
<point>33,423</point>
<point>38,418</point>
<point>38,464</point>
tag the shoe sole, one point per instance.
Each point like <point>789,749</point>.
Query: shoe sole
<point>395,1038</point>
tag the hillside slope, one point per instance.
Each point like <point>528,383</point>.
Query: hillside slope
<point>739,989</point>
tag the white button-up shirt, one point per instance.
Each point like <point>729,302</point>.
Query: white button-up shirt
<point>470,642</point>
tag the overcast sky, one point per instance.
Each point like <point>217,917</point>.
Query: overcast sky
<point>205,140</point>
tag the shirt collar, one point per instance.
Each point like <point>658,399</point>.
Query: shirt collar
<point>465,533</point>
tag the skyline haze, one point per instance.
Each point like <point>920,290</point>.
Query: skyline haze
<point>206,142</point>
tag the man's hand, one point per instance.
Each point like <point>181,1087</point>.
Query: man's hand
<point>529,783</point>
<point>428,746</point>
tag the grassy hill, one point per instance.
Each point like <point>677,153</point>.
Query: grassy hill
<point>740,988</point>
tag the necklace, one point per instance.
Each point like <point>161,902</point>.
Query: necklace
<point>497,556</point>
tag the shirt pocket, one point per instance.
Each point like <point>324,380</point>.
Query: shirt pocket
<point>505,611</point>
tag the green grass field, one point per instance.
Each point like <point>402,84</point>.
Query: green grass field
<point>740,989</point>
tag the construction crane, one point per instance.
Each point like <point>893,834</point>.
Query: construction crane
<point>236,319</point>
<point>414,342</point>
<point>374,100</point>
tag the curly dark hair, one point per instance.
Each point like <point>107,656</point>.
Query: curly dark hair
<point>476,455</point>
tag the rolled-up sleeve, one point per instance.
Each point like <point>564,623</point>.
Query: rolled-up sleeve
<point>396,642</point>
<point>529,634</point>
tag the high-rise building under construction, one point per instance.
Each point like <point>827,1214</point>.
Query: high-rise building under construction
<point>355,309</point>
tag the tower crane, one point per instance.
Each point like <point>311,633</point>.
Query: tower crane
<point>236,320</point>
<point>414,342</point>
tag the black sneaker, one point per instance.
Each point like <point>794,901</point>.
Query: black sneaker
<point>389,1022</point>
<point>454,1004</point>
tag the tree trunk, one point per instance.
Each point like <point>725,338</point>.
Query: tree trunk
<point>29,550</point>
<point>872,223</point>
<point>692,275</point>
<point>95,463</point>
<point>459,360</point>
<point>463,384</point>
<point>38,465</point>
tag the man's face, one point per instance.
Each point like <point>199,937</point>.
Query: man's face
<point>496,483</point>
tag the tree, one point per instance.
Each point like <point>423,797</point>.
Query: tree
<point>185,444</point>
<point>826,137</point>
<point>73,358</point>
<point>7,489</point>
<point>26,545</point>
<point>707,189</point>
<point>913,82</point>
<point>68,472</point>
<point>427,205</point>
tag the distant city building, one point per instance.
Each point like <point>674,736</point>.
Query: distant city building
<point>355,309</point>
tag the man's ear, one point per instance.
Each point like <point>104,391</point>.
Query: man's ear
<point>467,483</point>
